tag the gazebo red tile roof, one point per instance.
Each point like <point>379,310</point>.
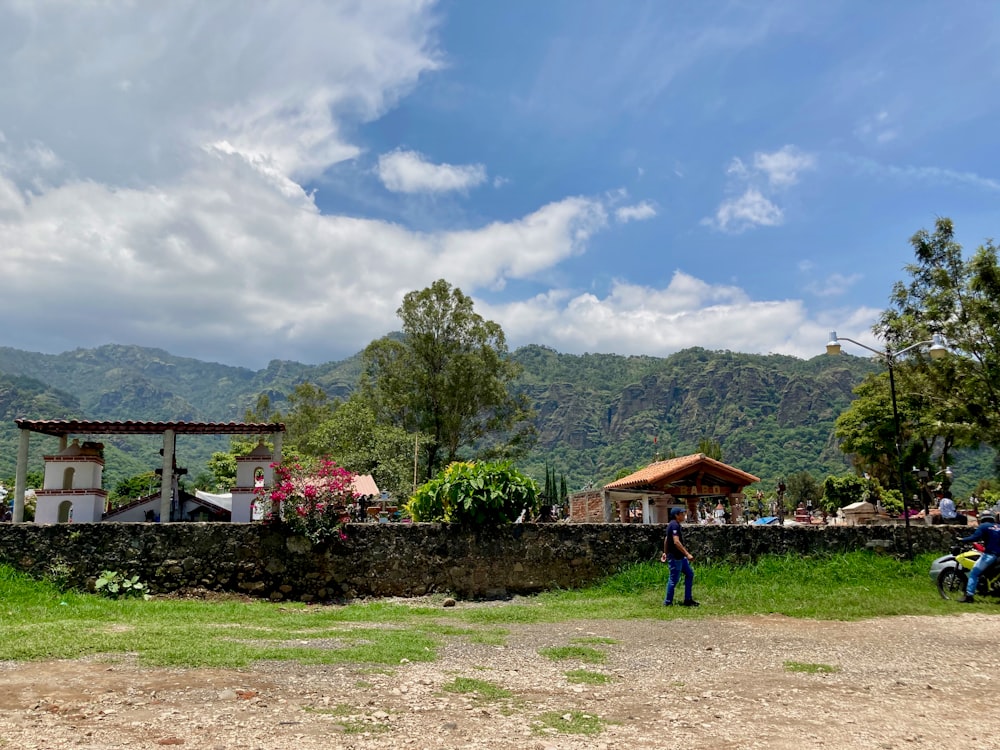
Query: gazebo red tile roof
<point>660,474</point>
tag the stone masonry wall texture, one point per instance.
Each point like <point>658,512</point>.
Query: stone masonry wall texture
<point>401,559</point>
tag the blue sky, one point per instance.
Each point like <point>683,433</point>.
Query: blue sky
<point>244,181</point>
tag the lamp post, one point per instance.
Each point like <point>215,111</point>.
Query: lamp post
<point>937,350</point>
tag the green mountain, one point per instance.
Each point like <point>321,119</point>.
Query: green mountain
<point>772,415</point>
<point>597,414</point>
<point>25,397</point>
<point>133,382</point>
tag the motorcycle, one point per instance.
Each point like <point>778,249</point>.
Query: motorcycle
<point>952,573</point>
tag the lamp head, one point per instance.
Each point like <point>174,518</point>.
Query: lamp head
<point>938,348</point>
<point>833,346</point>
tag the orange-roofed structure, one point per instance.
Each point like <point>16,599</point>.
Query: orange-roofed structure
<point>685,481</point>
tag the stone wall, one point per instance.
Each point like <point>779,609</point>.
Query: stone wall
<point>401,559</point>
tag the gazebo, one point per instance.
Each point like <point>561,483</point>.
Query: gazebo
<point>686,481</point>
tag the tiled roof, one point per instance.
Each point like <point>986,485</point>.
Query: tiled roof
<point>62,427</point>
<point>365,486</point>
<point>663,472</point>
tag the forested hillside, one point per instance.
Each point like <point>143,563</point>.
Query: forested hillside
<point>597,414</point>
<point>772,415</point>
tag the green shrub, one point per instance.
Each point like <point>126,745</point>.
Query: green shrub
<point>845,489</point>
<point>475,494</point>
<point>115,585</point>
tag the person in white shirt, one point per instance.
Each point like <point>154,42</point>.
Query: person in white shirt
<point>946,506</point>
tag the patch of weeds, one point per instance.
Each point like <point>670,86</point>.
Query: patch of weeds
<point>60,573</point>
<point>115,585</point>
<point>347,717</point>
<point>363,685</point>
<point>360,726</point>
<point>810,668</point>
<point>341,709</point>
<point>439,629</point>
<point>594,640</point>
<point>490,637</point>
<point>571,722</point>
<point>482,689</point>
<point>582,653</point>
<point>586,677</point>
<point>375,670</point>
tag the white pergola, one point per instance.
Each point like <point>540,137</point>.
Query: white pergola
<point>63,428</point>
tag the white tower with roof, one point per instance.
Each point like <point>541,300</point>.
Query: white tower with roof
<point>71,490</point>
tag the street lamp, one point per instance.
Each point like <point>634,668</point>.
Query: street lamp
<point>937,350</point>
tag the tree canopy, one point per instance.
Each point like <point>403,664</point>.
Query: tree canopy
<point>448,377</point>
<point>944,404</point>
<point>955,296</point>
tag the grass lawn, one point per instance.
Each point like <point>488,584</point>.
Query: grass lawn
<point>38,620</point>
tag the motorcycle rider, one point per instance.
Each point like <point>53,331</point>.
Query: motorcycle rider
<point>989,531</point>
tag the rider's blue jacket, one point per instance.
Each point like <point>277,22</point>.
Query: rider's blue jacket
<point>990,533</point>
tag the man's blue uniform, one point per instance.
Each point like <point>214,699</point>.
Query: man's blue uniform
<point>677,561</point>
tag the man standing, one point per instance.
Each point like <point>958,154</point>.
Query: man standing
<point>675,554</point>
<point>989,531</point>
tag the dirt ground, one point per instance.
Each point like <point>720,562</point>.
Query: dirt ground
<point>906,682</point>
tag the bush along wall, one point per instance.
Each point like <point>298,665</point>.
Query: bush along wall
<point>377,560</point>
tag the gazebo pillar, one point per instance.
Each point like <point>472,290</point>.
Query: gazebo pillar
<point>736,503</point>
<point>691,503</point>
<point>167,477</point>
<point>20,477</point>
<point>276,439</point>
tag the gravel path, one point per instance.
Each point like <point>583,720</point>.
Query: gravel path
<point>906,682</point>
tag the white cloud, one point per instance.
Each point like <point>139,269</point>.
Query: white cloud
<point>834,285</point>
<point>782,167</point>
<point>219,264</point>
<point>688,312</point>
<point>751,209</point>
<point>404,171</point>
<point>518,248</point>
<point>924,175</point>
<point>737,169</point>
<point>769,174</point>
<point>638,212</point>
<point>877,128</point>
<point>127,93</point>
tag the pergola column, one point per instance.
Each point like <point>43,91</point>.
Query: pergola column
<point>167,477</point>
<point>20,477</point>
<point>277,447</point>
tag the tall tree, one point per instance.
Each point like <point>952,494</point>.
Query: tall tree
<point>449,377</point>
<point>802,487</point>
<point>357,441</point>
<point>711,448</point>
<point>868,434</point>
<point>309,406</point>
<point>955,296</point>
